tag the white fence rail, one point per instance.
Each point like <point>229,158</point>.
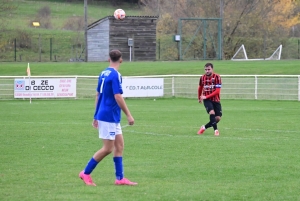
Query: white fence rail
<point>261,87</point>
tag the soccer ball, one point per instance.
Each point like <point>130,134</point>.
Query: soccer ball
<point>119,14</point>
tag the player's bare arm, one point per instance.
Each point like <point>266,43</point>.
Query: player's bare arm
<point>95,122</point>
<point>121,102</point>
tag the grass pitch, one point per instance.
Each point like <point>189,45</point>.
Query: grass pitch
<point>283,67</point>
<point>45,144</point>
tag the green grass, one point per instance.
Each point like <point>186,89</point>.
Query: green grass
<point>18,25</point>
<point>45,144</point>
<point>61,10</point>
<point>289,67</point>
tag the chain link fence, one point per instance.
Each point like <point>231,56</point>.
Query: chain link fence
<point>167,48</point>
<point>42,48</point>
<point>66,48</point>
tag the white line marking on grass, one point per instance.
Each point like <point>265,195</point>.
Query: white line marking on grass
<point>151,133</point>
<point>263,130</point>
<point>210,136</point>
<point>124,126</point>
<point>152,126</point>
<point>188,135</point>
<point>226,128</point>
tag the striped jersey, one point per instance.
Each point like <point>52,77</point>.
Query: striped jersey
<point>210,84</point>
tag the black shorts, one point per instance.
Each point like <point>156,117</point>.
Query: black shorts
<point>211,105</point>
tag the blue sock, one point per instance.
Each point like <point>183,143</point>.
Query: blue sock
<point>90,166</point>
<point>119,167</point>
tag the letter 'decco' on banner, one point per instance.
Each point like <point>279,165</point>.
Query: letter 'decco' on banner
<point>45,88</point>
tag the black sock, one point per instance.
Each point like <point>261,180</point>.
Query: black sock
<point>208,125</point>
<point>213,121</point>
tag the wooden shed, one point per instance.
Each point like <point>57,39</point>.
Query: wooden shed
<point>108,33</point>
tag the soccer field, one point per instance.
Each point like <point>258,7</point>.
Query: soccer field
<point>44,145</point>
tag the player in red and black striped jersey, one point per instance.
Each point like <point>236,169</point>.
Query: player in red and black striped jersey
<point>209,93</point>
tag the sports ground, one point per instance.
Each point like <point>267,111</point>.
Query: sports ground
<point>44,145</point>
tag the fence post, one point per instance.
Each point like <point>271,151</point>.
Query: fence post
<point>50,49</point>
<point>298,49</point>
<point>158,49</point>
<point>173,86</point>
<point>255,95</point>
<point>298,88</point>
<point>76,87</point>
<point>15,49</point>
<point>40,49</point>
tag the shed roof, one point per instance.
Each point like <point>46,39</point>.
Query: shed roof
<point>112,17</point>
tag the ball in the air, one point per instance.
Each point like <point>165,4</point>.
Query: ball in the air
<point>119,14</point>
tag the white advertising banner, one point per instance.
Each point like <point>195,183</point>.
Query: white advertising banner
<point>45,88</point>
<point>143,87</point>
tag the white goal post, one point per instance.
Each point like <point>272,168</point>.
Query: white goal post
<point>241,55</point>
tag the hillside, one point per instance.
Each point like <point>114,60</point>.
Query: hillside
<point>60,36</point>
<point>61,29</point>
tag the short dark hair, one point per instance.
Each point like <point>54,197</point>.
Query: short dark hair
<point>209,64</point>
<point>115,55</point>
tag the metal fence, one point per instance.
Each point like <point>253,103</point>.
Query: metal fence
<point>42,48</point>
<point>259,87</point>
<point>70,47</point>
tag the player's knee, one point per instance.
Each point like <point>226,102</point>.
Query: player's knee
<point>119,147</point>
<point>211,112</point>
<point>107,149</point>
<point>218,118</point>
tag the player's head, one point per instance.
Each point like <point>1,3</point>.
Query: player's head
<point>209,67</point>
<point>115,56</point>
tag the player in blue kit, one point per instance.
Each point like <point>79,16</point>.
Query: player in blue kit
<point>109,103</point>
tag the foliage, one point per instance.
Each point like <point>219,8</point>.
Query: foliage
<point>261,20</point>
<point>75,23</point>
<point>259,24</point>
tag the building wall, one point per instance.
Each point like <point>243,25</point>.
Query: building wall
<point>98,41</point>
<point>143,32</point>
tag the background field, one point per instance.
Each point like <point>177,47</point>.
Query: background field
<point>45,144</point>
<point>284,67</point>
<point>66,42</point>
<point>62,27</point>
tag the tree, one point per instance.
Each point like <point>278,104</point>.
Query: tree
<point>257,22</point>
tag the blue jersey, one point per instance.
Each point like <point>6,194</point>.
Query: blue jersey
<point>109,84</point>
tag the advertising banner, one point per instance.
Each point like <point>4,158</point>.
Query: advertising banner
<point>143,87</point>
<point>45,88</point>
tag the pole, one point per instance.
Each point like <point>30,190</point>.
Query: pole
<point>179,44</point>
<point>158,49</point>
<point>29,74</point>
<point>40,49</point>
<point>205,40</point>
<point>15,49</point>
<point>132,47</point>
<point>178,50</point>
<point>50,49</point>
<point>130,53</point>
<point>221,28</point>
<point>298,49</point>
<point>85,30</point>
<point>264,45</point>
